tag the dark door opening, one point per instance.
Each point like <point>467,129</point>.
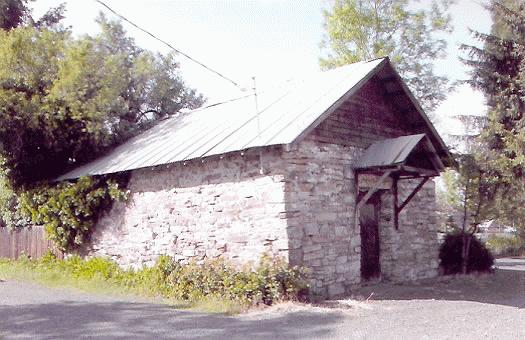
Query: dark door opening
<point>369,228</point>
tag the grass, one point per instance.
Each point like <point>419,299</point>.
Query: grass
<point>213,287</point>
<point>506,245</point>
<point>54,278</point>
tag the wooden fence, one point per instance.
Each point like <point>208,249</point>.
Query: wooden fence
<point>29,241</point>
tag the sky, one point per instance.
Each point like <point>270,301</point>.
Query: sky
<point>273,40</point>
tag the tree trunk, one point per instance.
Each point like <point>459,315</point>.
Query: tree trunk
<point>465,247</point>
<point>465,254</point>
<point>467,241</point>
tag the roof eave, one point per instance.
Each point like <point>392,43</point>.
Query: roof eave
<point>447,160</point>
<point>445,156</point>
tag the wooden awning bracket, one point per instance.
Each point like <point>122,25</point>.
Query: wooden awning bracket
<point>399,208</point>
<point>369,193</point>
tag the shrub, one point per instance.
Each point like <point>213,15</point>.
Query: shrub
<point>511,246</point>
<point>268,281</point>
<point>480,259</point>
<point>271,280</point>
<point>69,210</point>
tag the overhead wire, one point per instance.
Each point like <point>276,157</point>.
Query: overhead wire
<point>170,46</point>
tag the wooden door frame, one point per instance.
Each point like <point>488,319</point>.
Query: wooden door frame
<point>376,200</point>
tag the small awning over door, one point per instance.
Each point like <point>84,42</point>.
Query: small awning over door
<point>413,154</point>
<point>394,159</point>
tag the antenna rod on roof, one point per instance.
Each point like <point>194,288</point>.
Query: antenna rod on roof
<point>261,167</point>
<point>256,108</point>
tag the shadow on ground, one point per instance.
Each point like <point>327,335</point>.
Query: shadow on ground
<point>71,320</point>
<point>506,286</point>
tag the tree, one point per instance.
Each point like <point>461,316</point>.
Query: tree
<point>498,70</point>
<point>477,198</point>
<point>471,190</point>
<point>12,13</point>
<point>359,30</point>
<point>64,101</point>
<point>15,13</point>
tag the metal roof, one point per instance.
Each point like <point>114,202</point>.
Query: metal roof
<point>388,152</point>
<point>234,126</point>
<point>395,151</point>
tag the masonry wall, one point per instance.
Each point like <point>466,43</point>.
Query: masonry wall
<point>301,207</point>
<point>319,203</point>
<point>411,252</point>
<point>320,198</point>
<point>222,207</point>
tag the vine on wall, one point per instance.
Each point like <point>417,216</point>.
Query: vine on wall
<point>69,210</point>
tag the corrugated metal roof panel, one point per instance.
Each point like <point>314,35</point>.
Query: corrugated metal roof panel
<point>388,152</point>
<point>232,126</point>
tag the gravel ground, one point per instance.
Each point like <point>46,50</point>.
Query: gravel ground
<point>487,306</point>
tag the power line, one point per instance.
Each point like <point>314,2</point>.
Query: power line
<point>169,45</point>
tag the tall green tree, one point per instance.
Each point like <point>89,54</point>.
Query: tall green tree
<point>498,70</point>
<point>63,101</point>
<point>15,13</point>
<point>413,39</point>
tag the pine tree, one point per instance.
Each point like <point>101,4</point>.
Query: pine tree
<point>498,70</point>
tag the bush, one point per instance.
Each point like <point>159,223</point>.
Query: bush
<point>480,259</point>
<point>510,246</point>
<point>269,281</point>
<point>69,210</point>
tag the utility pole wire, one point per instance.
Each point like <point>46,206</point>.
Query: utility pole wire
<point>169,45</point>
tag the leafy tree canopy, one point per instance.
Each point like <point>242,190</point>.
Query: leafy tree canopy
<point>359,30</point>
<point>63,100</point>
<point>15,13</point>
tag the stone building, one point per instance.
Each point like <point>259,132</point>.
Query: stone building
<point>332,174</point>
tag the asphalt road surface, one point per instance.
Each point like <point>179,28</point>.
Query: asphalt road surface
<point>483,307</point>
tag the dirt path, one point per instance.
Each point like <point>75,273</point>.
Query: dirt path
<point>488,307</point>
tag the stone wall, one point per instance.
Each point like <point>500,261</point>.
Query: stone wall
<point>319,203</point>
<point>220,207</point>
<point>320,199</point>
<point>301,206</point>
<point>411,252</point>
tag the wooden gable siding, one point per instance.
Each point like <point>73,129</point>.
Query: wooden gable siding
<point>363,119</point>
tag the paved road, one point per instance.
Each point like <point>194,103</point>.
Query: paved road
<point>489,307</point>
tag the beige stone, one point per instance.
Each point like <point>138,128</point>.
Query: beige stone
<point>301,208</point>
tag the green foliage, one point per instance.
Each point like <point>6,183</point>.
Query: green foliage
<point>12,13</point>
<point>272,280</point>
<point>66,100</point>
<point>498,71</point>
<point>15,13</point>
<point>359,30</point>
<point>269,281</point>
<point>451,259</point>
<point>470,192</point>
<point>452,194</point>
<point>10,215</point>
<point>69,210</point>
<point>505,245</point>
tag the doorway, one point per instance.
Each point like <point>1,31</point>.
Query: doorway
<point>369,230</point>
